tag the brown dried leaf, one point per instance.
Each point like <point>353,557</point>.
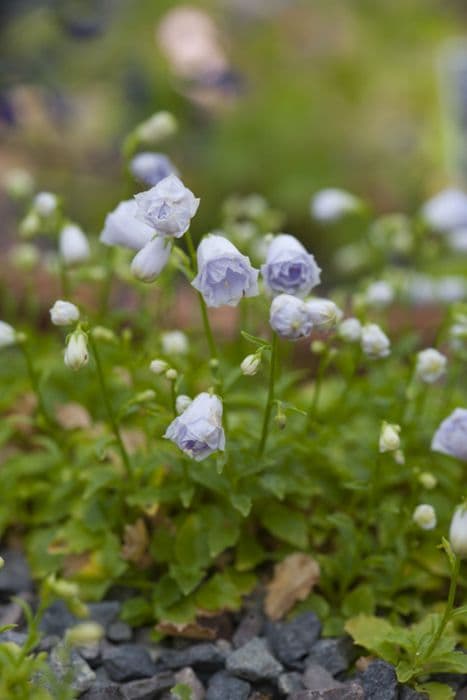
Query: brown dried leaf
<point>135,543</point>
<point>293,580</point>
<point>189,630</point>
<point>72,416</point>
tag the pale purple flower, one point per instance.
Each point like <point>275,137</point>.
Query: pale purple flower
<point>289,317</point>
<point>149,262</point>
<point>7,335</point>
<point>224,274</point>
<point>168,207</point>
<point>446,211</point>
<point>289,268</point>
<point>324,313</point>
<point>458,532</point>
<point>122,228</point>
<point>151,168</point>
<point>331,204</point>
<point>198,430</point>
<point>451,436</point>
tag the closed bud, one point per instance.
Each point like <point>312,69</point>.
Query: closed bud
<point>24,257</point>
<point>379,294</point>
<point>350,330</point>
<point>149,262</point>
<point>158,366</point>
<point>182,402</point>
<point>157,128</point>
<point>424,516</point>
<point>389,440</point>
<point>45,204</point>
<point>64,313</point>
<point>324,313</point>
<point>174,343</point>
<point>458,532</point>
<point>317,347</point>
<point>375,342</point>
<point>250,365</point>
<point>18,183</point>
<point>428,481</point>
<point>431,365</point>
<point>30,226</point>
<point>76,352</point>
<point>280,419</point>
<point>8,335</point>
<point>171,374</point>
<point>103,334</point>
<point>84,633</point>
<point>73,245</point>
<point>145,396</point>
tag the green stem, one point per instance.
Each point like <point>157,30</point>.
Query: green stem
<point>35,384</point>
<point>270,399</point>
<point>109,407</point>
<point>447,612</point>
<point>173,395</point>
<point>323,363</point>
<point>64,279</point>
<point>202,304</point>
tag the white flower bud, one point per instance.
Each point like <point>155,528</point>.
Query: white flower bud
<point>18,183</point>
<point>64,313</point>
<point>76,352</point>
<point>158,127</point>
<point>158,366</point>
<point>324,313</point>
<point>171,374</point>
<point>73,245</point>
<point>45,204</point>
<point>7,335</point>
<point>104,334</point>
<point>350,330</point>
<point>250,365</point>
<point>30,225</point>
<point>424,516</point>
<point>431,365</point>
<point>375,343</point>
<point>149,262</point>
<point>85,633</point>
<point>332,204</point>
<point>458,532</point>
<point>389,440</point>
<point>428,481</point>
<point>182,402</point>
<point>379,294</point>
<point>174,343</point>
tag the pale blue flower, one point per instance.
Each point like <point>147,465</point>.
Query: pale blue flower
<point>331,204</point>
<point>446,211</point>
<point>73,245</point>
<point>198,430</point>
<point>123,228</point>
<point>451,436</point>
<point>151,168</point>
<point>224,274</point>
<point>290,317</point>
<point>168,207</point>
<point>289,268</point>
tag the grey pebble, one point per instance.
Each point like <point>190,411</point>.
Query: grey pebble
<point>148,688</point>
<point>254,661</point>
<point>111,691</point>
<point>318,678</point>
<point>223,686</point>
<point>188,677</point>
<point>64,662</point>
<point>128,662</point>
<point>205,657</point>
<point>292,641</point>
<point>119,632</point>
<point>347,691</point>
<point>105,612</point>
<point>15,575</point>
<point>379,682</point>
<point>57,619</point>
<point>289,682</point>
<point>334,654</point>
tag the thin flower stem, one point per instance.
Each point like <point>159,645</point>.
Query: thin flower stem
<point>202,303</point>
<point>109,407</point>
<point>323,363</point>
<point>447,612</point>
<point>34,379</point>
<point>173,395</point>
<point>64,279</point>
<point>270,399</point>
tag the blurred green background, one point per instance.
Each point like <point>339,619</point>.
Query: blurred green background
<point>312,93</point>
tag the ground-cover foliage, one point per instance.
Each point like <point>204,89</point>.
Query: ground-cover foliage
<point>156,447</point>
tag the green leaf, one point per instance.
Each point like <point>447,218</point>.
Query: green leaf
<point>224,591</point>
<point>181,691</point>
<point>288,525</point>
<point>242,503</point>
<point>249,553</point>
<point>136,611</point>
<point>191,549</point>
<point>437,691</point>
<point>360,600</point>
<point>223,529</point>
<point>187,577</point>
<point>373,634</point>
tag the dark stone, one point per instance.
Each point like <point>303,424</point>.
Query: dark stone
<point>15,575</point>
<point>48,643</point>
<point>105,612</point>
<point>334,654</point>
<point>128,662</point>
<point>119,632</point>
<point>379,682</point>
<point>289,682</point>
<point>347,691</point>
<point>57,619</point>
<point>251,625</point>
<point>317,678</point>
<point>254,661</point>
<point>91,653</point>
<point>407,693</point>
<point>110,691</point>
<point>149,688</point>
<point>454,680</point>
<point>223,686</point>
<point>292,641</point>
<point>204,657</point>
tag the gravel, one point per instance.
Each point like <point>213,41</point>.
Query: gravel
<point>292,641</point>
<point>254,661</point>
